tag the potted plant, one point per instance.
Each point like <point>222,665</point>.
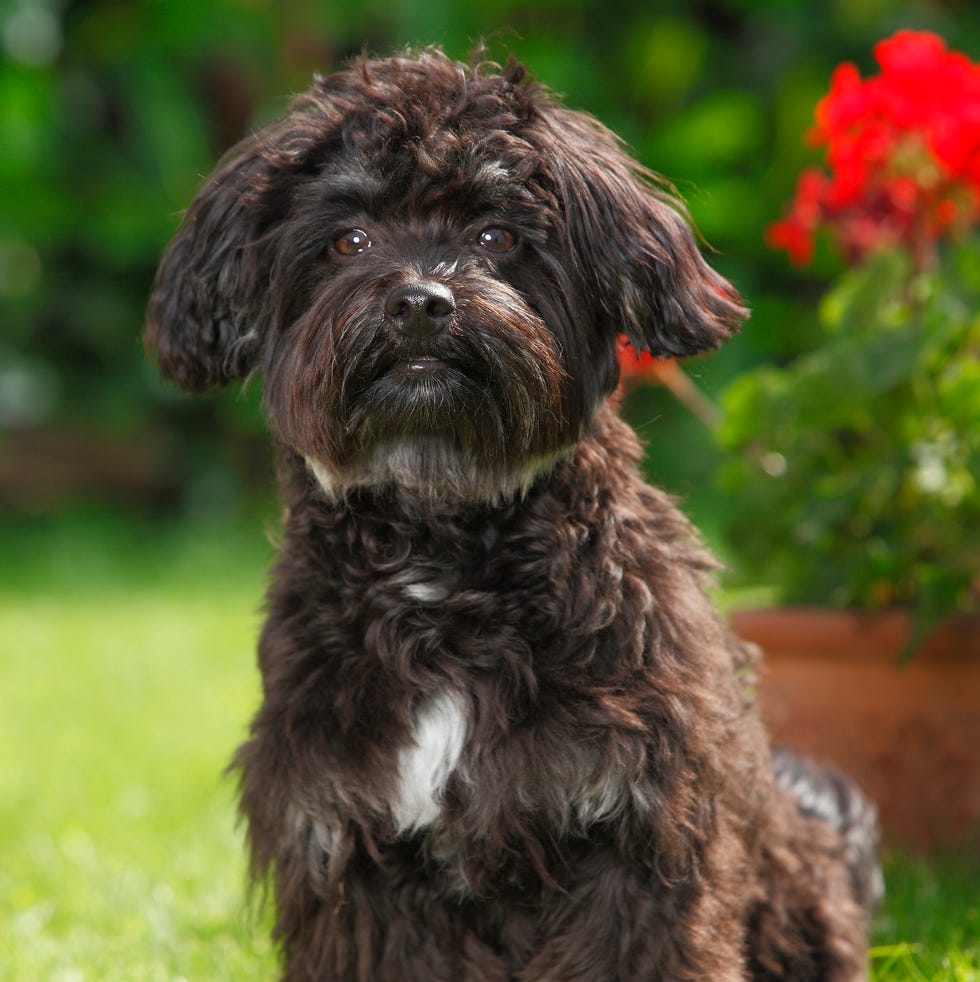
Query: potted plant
<point>857,465</point>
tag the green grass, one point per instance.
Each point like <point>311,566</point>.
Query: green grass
<point>126,680</point>
<point>929,925</point>
<point>125,683</point>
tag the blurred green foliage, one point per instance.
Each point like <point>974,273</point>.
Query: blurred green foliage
<point>864,454</point>
<point>112,113</point>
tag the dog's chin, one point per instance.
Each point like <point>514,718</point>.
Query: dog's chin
<point>432,469</point>
<point>439,431</point>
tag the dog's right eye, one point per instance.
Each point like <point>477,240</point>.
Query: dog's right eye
<point>353,242</point>
<point>499,240</point>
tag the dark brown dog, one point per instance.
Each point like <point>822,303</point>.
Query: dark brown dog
<point>504,734</point>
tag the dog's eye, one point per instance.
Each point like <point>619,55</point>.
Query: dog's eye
<point>498,240</point>
<point>353,242</point>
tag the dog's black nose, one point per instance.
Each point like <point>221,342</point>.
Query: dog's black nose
<point>421,309</point>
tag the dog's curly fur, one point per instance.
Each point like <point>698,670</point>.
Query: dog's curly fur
<point>504,734</point>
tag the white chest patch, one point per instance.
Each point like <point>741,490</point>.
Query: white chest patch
<point>425,764</point>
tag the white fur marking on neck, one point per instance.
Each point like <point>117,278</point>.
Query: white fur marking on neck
<point>425,765</point>
<point>428,593</point>
<point>430,470</point>
<point>323,477</point>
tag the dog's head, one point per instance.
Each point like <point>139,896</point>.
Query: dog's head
<point>429,263</point>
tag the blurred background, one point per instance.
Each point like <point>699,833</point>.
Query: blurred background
<point>112,113</point>
<point>132,516</point>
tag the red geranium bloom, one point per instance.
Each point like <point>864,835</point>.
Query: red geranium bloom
<point>903,151</point>
<point>638,366</point>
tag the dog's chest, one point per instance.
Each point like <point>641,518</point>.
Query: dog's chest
<point>427,760</point>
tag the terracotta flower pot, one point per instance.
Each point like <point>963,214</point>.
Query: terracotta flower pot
<point>831,687</point>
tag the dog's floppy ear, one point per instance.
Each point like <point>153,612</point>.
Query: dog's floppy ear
<point>634,247</point>
<point>201,316</point>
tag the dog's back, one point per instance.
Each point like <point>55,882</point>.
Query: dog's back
<point>823,792</point>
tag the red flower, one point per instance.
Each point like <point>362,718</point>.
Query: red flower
<point>903,151</point>
<point>639,366</point>
<point>636,367</point>
<point>795,232</point>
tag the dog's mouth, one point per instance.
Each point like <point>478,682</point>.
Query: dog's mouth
<point>418,378</point>
<point>411,392</point>
<point>420,365</point>
<point>406,362</point>
<point>418,374</point>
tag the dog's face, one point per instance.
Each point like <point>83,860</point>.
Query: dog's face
<point>429,264</point>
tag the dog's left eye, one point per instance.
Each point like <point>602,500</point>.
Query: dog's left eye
<point>498,240</point>
<point>353,242</point>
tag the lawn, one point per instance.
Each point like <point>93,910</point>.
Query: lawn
<point>126,679</point>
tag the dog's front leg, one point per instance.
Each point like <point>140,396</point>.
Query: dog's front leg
<point>353,904</point>
<point>387,920</point>
<point>621,923</point>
